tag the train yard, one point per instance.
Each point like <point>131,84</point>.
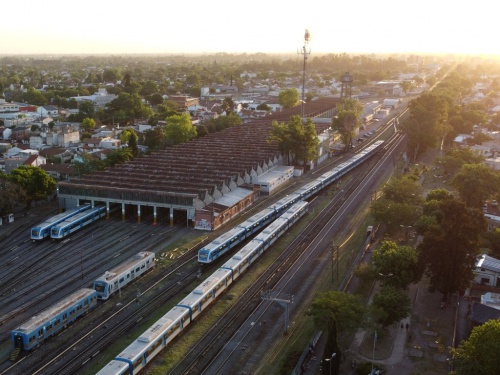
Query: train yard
<point>57,268</point>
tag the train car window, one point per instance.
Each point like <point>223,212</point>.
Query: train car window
<point>137,269</point>
<point>31,338</point>
<point>71,312</point>
<point>57,322</point>
<point>85,303</point>
<point>49,327</point>
<point>79,307</point>
<point>137,363</point>
<point>143,266</point>
<point>40,332</point>
<point>121,280</point>
<point>128,276</point>
<point>65,316</point>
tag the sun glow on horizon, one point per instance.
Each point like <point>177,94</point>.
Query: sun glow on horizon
<point>359,26</point>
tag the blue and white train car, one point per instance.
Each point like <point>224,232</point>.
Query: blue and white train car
<point>42,230</point>
<point>77,222</point>
<point>230,239</point>
<point>284,203</point>
<point>114,280</point>
<point>50,321</point>
<point>140,352</point>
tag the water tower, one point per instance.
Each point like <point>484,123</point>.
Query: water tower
<point>346,90</point>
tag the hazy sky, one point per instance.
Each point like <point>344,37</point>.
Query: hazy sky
<point>160,26</point>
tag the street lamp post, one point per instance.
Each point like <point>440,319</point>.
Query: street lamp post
<point>330,360</point>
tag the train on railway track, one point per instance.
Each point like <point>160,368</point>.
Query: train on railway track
<point>229,240</point>
<point>142,351</point>
<point>77,222</point>
<point>42,230</point>
<point>47,323</point>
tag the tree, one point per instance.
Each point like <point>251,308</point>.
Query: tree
<point>456,157</point>
<point>10,193</point>
<point>427,124</point>
<point>400,262</point>
<point>129,136</point>
<point>86,109</point>
<point>37,184</point>
<point>228,105</point>
<point>391,305</point>
<point>476,183</point>
<point>34,97</point>
<point>288,98</point>
<point>400,204</point>
<point>119,155</point>
<point>478,354</point>
<point>179,129</point>
<point>149,88</point>
<point>296,140</point>
<point>110,75</point>
<point>450,246</point>
<point>88,124</point>
<point>155,138</point>
<point>338,313</point>
<point>347,120</point>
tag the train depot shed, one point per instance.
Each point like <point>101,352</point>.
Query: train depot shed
<point>185,183</point>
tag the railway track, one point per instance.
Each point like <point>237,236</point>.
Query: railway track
<point>206,352</point>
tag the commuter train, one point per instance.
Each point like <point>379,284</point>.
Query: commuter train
<point>50,321</point>
<point>47,323</point>
<point>233,237</point>
<point>140,352</point>
<point>114,280</point>
<point>76,222</point>
<point>42,230</point>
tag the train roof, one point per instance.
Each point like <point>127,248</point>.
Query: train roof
<point>113,368</point>
<point>156,330</point>
<point>242,254</point>
<point>250,221</point>
<point>56,309</point>
<point>271,228</point>
<point>208,284</point>
<point>58,217</point>
<point>129,264</point>
<point>80,215</point>
<point>294,209</point>
<point>286,199</point>
<point>226,236</point>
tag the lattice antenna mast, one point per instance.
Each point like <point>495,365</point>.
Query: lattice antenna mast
<point>305,53</point>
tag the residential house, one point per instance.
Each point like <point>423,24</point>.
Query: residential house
<point>48,110</point>
<point>487,271</point>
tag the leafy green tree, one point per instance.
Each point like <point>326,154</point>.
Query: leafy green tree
<point>119,155</point>
<point>34,97</point>
<point>155,99</point>
<point>148,88</point>
<point>348,120</point>
<point>224,122</point>
<point>88,124</point>
<point>264,107</point>
<point>450,246</point>
<point>228,105</point>
<point>400,204</point>
<point>296,140</point>
<point>456,157</point>
<point>86,109</point>
<point>36,183</point>
<point>110,75</point>
<point>338,313</point>
<point>10,193</point>
<point>87,165</point>
<point>475,183</point>
<point>129,136</point>
<point>288,98</point>
<point>391,305</point>
<point>396,265</point>
<point>179,129</point>
<point>155,138</point>
<point>478,354</point>
<point>427,123</point>
<point>126,107</point>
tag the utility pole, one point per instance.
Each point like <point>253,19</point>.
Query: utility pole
<point>305,53</point>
